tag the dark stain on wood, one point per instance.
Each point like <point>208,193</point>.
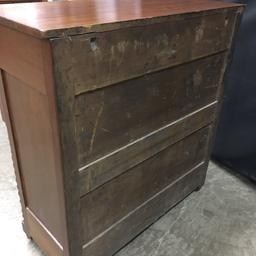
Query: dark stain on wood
<point>119,105</point>
<point>110,118</point>
<point>108,167</point>
<point>144,215</point>
<point>126,192</point>
<point>101,59</point>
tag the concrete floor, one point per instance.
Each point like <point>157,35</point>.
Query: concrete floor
<point>219,220</point>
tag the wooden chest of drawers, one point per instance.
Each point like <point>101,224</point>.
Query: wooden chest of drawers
<point>110,107</point>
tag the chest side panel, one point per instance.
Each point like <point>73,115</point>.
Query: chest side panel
<point>29,103</point>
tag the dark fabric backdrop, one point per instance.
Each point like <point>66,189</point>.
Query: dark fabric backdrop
<point>235,144</point>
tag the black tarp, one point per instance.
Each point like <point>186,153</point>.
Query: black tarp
<point>235,144</point>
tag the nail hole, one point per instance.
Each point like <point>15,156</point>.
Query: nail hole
<point>93,43</point>
<point>93,39</point>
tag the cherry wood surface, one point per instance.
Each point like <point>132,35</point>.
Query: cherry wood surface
<point>19,1</point>
<point>54,18</point>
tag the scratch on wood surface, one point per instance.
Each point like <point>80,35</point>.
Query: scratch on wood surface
<point>200,32</point>
<point>105,130</point>
<point>96,126</point>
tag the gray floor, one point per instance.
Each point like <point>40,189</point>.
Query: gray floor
<point>219,220</point>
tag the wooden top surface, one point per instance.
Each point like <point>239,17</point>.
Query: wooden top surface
<point>54,19</point>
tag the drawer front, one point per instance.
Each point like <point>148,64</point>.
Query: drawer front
<point>103,170</point>
<point>111,202</point>
<point>109,242</point>
<point>112,117</point>
<point>97,60</point>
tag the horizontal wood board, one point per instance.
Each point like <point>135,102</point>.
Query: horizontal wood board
<point>112,117</point>
<point>108,167</point>
<point>107,243</point>
<point>126,192</point>
<point>96,60</point>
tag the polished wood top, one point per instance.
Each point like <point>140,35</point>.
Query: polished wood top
<point>51,19</point>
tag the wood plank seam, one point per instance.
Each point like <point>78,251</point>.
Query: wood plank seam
<point>116,168</point>
<point>155,71</point>
<point>97,170</point>
<point>15,156</point>
<point>42,233</point>
<point>82,169</point>
<point>144,203</point>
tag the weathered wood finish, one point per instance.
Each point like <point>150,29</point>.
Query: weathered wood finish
<point>220,93</point>
<point>102,170</point>
<point>110,107</point>
<point>99,55</point>
<point>145,214</point>
<point>107,148</point>
<point>66,117</point>
<point>126,192</point>
<point>110,118</point>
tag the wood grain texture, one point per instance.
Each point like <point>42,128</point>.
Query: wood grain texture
<point>65,100</point>
<point>3,103</point>
<point>96,57</point>
<point>18,1</point>
<point>223,79</point>
<point>129,190</point>
<point>42,235</point>
<point>111,105</point>
<point>104,169</point>
<point>29,113</point>
<point>7,119</point>
<point>73,17</point>
<point>27,80</point>
<point>53,116</point>
<point>117,115</point>
<point>21,55</point>
<point>136,221</point>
